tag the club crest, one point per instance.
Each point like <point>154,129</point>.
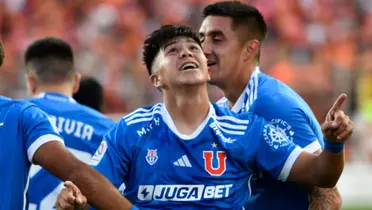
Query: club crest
<point>152,156</point>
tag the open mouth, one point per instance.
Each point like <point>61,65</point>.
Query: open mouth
<point>189,66</point>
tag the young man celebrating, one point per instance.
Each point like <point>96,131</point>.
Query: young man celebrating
<point>26,137</point>
<point>187,153</point>
<point>51,81</point>
<point>232,34</point>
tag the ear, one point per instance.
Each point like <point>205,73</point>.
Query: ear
<point>250,49</point>
<point>31,84</point>
<point>156,80</point>
<point>76,82</point>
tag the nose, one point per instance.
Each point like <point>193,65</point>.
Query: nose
<point>207,48</point>
<point>185,53</point>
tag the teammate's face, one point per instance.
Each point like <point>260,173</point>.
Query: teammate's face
<point>221,47</point>
<point>181,62</point>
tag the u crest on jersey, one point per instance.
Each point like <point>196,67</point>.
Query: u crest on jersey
<point>208,162</point>
<point>152,156</point>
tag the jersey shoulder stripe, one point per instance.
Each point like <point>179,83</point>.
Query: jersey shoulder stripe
<point>222,102</point>
<point>232,120</point>
<point>142,114</point>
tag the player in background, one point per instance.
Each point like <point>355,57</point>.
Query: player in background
<point>187,153</point>
<point>27,136</point>
<point>51,81</point>
<point>90,93</point>
<point>232,34</point>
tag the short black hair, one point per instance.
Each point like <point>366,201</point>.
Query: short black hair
<point>51,59</point>
<point>157,39</point>
<point>2,54</point>
<point>242,14</point>
<point>90,93</point>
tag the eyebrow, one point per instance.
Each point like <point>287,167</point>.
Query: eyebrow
<point>212,33</point>
<point>189,40</point>
<point>169,43</point>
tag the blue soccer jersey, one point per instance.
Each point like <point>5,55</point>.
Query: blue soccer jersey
<point>24,128</point>
<point>289,113</point>
<point>82,129</point>
<point>208,169</point>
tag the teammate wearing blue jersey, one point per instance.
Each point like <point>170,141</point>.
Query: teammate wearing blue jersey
<point>232,34</point>
<point>187,153</point>
<point>51,81</point>
<point>27,136</point>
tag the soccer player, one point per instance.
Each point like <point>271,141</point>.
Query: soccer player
<point>90,93</point>
<point>51,81</point>
<point>26,137</point>
<point>232,34</point>
<point>187,153</point>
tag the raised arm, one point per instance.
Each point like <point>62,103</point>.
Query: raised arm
<point>293,121</point>
<point>99,191</point>
<point>325,169</point>
<point>44,148</point>
<point>111,160</point>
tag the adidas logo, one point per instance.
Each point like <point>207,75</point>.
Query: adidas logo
<point>183,162</point>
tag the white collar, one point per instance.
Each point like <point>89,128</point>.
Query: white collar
<point>252,83</point>
<point>169,121</point>
<point>55,97</point>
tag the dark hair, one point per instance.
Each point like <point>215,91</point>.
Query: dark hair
<point>51,59</point>
<point>2,54</point>
<point>157,39</point>
<point>242,15</point>
<point>90,93</point>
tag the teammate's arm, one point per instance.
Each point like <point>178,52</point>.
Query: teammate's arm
<point>323,198</point>
<point>324,170</point>
<point>293,121</point>
<point>286,161</point>
<point>43,149</point>
<point>111,160</point>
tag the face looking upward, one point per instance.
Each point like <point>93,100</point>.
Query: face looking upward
<point>180,62</point>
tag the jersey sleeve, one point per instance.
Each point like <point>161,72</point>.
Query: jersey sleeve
<point>291,120</point>
<point>112,156</point>
<point>275,153</point>
<point>36,129</point>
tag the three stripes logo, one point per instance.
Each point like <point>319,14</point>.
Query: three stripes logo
<point>183,162</point>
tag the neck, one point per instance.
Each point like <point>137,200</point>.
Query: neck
<point>233,88</point>
<point>64,89</point>
<point>187,106</point>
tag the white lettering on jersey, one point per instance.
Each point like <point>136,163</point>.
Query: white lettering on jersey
<point>283,127</point>
<point>182,192</point>
<point>144,130</point>
<point>218,132</point>
<point>274,137</point>
<point>97,157</point>
<point>73,127</point>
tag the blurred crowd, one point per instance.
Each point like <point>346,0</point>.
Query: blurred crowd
<point>318,47</point>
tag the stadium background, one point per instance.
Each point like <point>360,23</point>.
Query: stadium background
<point>318,47</point>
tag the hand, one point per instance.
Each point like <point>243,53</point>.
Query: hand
<point>337,126</point>
<point>70,197</point>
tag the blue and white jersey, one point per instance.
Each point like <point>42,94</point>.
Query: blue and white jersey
<point>81,127</point>
<point>289,113</point>
<point>208,169</point>
<point>24,128</point>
